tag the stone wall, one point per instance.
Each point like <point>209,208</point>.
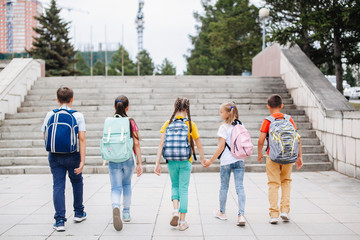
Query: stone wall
<point>15,80</point>
<point>336,122</point>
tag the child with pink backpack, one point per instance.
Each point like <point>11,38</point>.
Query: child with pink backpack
<point>234,145</point>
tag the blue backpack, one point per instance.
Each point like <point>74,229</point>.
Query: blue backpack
<point>176,144</point>
<point>61,132</point>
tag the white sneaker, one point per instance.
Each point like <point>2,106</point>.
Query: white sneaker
<point>241,221</point>
<point>274,220</point>
<point>285,217</point>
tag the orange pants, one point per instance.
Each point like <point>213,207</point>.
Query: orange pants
<point>278,175</point>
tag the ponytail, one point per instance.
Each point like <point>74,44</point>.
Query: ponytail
<point>232,109</point>
<point>121,103</point>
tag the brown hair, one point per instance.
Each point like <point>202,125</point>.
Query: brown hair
<point>64,94</point>
<point>121,103</point>
<point>183,104</point>
<point>275,101</point>
<point>232,109</point>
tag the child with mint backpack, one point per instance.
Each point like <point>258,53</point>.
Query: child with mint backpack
<point>119,143</point>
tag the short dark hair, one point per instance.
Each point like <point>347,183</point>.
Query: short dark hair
<point>65,94</point>
<point>275,101</point>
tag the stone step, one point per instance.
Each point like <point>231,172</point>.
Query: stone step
<point>155,119</point>
<point>146,159</point>
<point>44,169</point>
<point>149,150</point>
<point>151,102</point>
<point>144,142</point>
<point>132,96</point>
<point>157,79</point>
<point>176,91</point>
<point>144,127</point>
<point>144,134</point>
<point>134,114</point>
<point>156,107</point>
<point>168,84</point>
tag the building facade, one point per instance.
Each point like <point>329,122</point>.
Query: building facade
<point>16,24</point>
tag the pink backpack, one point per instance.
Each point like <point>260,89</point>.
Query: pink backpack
<point>241,146</point>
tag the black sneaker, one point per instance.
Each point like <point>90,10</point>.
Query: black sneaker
<point>59,226</point>
<point>80,218</point>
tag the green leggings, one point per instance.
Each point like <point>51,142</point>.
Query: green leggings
<point>180,178</point>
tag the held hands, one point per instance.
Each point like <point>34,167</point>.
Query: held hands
<point>299,163</point>
<point>157,169</point>
<point>79,169</point>
<point>206,163</point>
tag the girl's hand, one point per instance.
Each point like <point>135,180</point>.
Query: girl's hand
<point>139,170</point>
<point>260,157</point>
<point>157,169</point>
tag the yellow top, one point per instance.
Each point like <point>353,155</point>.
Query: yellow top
<point>194,133</point>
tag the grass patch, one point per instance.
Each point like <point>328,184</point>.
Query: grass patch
<point>356,105</point>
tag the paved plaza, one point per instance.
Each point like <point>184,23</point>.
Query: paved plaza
<point>324,205</point>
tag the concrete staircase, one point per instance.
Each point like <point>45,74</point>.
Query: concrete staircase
<point>151,104</point>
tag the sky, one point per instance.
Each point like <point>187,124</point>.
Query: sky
<point>168,24</point>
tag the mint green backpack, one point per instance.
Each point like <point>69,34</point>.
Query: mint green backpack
<point>116,144</point>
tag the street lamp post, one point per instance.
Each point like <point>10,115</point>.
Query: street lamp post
<point>263,14</point>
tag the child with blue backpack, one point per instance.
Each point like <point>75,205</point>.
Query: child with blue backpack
<point>284,149</point>
<point>234,145</point>
<point>119,144</point>
<point>176,146</point>
<point>64,134</point>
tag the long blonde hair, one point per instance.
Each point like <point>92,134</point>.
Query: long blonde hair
<point>232,109</point>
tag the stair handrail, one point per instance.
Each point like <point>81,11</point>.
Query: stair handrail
<point>15,80</point>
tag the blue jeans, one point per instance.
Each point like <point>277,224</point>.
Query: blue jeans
<point>120,179</point>
<point>225,171</point>
<point>59,165</point>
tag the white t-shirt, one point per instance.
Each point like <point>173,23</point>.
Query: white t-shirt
<point>78,116</point>
<point>225,133</point>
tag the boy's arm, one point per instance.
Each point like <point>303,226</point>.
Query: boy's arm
<point>82,147</point>
<point>200,149</point>
<point>299,161</point>
<point>261,146</point>
<point>219,150</point>
<point>158,155</point>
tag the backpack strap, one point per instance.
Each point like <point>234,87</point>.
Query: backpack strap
<point>287,117</point>
<point>270,119</point>
<point>63,109</point>
<point>236,122</point>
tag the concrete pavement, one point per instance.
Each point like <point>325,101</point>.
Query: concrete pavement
<point>324,205</point>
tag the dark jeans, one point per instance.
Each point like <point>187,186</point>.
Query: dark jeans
<point>60,164</point>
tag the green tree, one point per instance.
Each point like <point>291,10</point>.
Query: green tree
<point>348,77</point>
<point>328,31</point>
<point>146,64</point>
<point>53,44</point>
<point>99,68</point>
<point>228,38</point>
<point>116,65</point>
<point>166,68</point>
<point>81,65</point>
